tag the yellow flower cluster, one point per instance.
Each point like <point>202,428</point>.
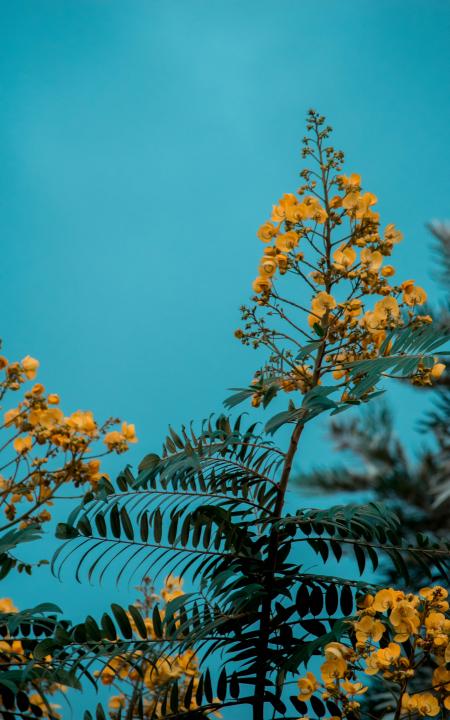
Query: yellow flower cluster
<point>337,681</point>
<point>13,655</point>
<point>156,675</point>
<point>44,448</point>
<point>358,259</point>
<point>329,235</point>
<point>395,634</point>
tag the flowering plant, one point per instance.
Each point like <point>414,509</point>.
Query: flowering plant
<point>328,237</point>
<point>395,635</point>
<point>214,499</point>
<point>43,450</point>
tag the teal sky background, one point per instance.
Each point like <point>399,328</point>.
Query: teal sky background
<point>142,144</point>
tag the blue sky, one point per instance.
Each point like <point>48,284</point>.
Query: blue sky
<point>143,142</point>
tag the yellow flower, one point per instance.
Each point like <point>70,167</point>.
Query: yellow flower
<point>358,206</point>
<point>441,677</point>
<point>22,445</point>
<point>409,702</point>
<point>107,675</point>
<point>279,211</point>
<point>388,271</point>
<point>366,601</point>
<point>46,418</point>
<point>336,650</point>
<point>129,432</point>
<point>353,688</point>
<point>435,596</point>
<point>322,303</point>
<point>350,183</point>
<point>38,389</point>
<point>403,610</point>
<point>93,471</point>
<point>314,209</point>
<point>387,308</point>
<point>113,439</point>
<point>267,231</point>
<point>353,308</point>
<point>282,263</point>
<point>386,599</point>
<point>438,627</point>
<point>12,417</point>
<point>405,620</point>
<point>268,267</point>
<point>437,370</point>
<point>297,213</point>
<point>7,606</point>
<point>270,251</point>
<point>388,655</point>
<point>39,701</point>
<point>344,257</point>
<point>287,242</point>
<point>53,399</point>
<point>339,372</point>
<point>371,259</point>
<point>117,441</point>
<point>172,588</point>
<point>333,669</point>
<point>82,421</point>
<point>117,701</point>
<point>391,235</point>
<point>317,277</point>
<point>11,647</point>
<point>350,201</point>
<point>385,311</point>
<point>372,665</point>
<point>335,202</point>
<point>368,628</point>
<point>427,705</point>
<point>307,686</point>
<point>261,284</point>
<point>413,294</point>
<point>30,366</point>
<point>161,673</point>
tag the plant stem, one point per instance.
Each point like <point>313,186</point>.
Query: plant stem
<point>272,551</point>
<point>274,537</point>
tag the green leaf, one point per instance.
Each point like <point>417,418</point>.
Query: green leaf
<point>234,685</point>
<point>174,697</point>
<point>44,648</point>
<point>222,685</point>
<point>149,462</point>
<point>108,627</point>
<point>282,418</point>
<point>126,524</point>
<point>114,519</point>
<point>239,397</point>
<point>157,622</point>
<point>360,558</point>
<point>157,525</point>
<point>66,532</point>
<point>138,621</point>
<point>122,621</point>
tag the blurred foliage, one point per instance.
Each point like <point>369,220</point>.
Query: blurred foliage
<point>416,486</point>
